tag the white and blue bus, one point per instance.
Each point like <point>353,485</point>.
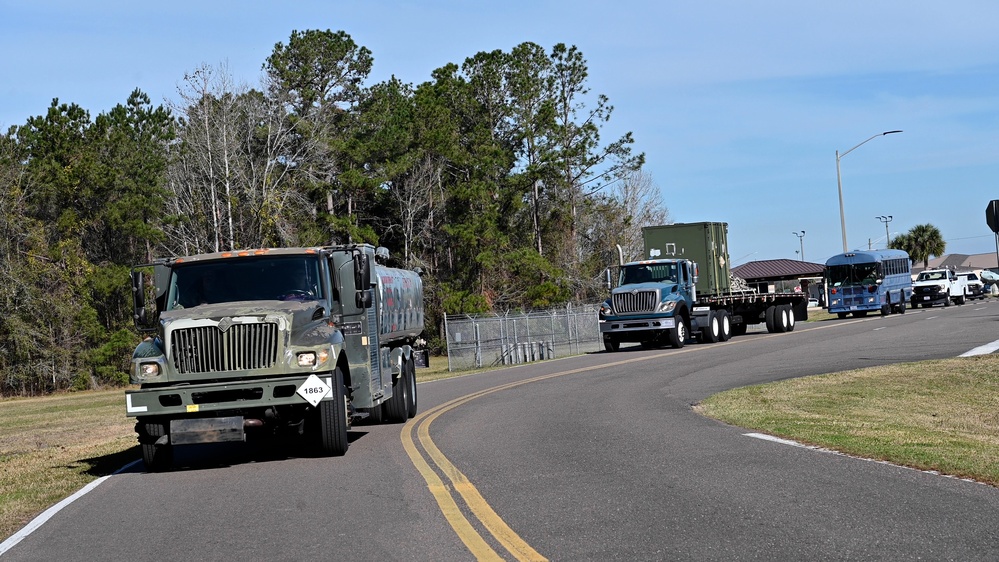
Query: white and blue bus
<point>862,281</point>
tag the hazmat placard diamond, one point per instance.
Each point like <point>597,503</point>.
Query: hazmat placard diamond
<point>314,389</point>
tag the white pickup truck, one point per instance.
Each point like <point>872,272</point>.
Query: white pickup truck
<point>939,286</point>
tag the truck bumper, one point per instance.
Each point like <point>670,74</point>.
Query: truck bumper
<point>637,325</point>
<point>190,400</point>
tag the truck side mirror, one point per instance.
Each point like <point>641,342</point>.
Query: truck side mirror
<point>144,318</point>
<point>362,271</point>
<point>607,281</point>
<point>362,280</point>
<point>362,299</point>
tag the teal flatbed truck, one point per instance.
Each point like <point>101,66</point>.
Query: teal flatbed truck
<point>684,292</point>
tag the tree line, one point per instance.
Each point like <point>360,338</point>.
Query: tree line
<point>492,176</point>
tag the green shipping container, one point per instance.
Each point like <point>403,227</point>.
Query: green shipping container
<point>705,243</point>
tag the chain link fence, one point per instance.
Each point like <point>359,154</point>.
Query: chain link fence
<point>491,340</point>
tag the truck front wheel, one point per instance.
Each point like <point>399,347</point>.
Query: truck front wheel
<point>333,420</point>
<point>156,457</point>
<point>611,344</point>
<point>678,334</point>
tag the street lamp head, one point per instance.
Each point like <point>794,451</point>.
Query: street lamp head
<point>890,133</point>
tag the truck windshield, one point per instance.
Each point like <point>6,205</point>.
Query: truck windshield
<point>931,276</point>
<point>649,273</point>
<point>853,274</point>
<point>246,279</point>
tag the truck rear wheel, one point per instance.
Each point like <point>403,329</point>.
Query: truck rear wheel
<point>333,420</point>
<point>411,405</point>
<point>712,332</point>
<point>725,323</point>
<point>788,316</point>
<point>397,406</point>
<point>770,315</point>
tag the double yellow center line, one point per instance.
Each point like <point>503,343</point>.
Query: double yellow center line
<point>444,492</point>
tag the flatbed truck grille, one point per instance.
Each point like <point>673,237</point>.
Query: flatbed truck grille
<point>636,302</point>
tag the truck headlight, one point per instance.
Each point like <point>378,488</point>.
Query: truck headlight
<point>667,306</point>
<point>312,358</point>
<point>149,370</point>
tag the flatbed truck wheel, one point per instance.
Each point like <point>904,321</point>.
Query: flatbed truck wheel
<point>789,315</point>
<point>712,332</point>
<point>725,323</point>
<point>678,334</point>
<point>771,319</point>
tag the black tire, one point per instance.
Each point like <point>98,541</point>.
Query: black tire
<point>725,322</point>
<point>791,322</point>
<point>397,406</point>
<point>962,299</point>
<point>886,309</point>
<point>842,315</point>
<point>739,329</point>
<point>411,407</point>
<point>712,332</point>
<point>780,319</point>
<point>156,457</point>
<point>901,306</point>
<point>375,415</point>
<point>946,301</point>
<point>678,334</point>
<point>611,345</point>
<point>333,421</point>
<point>771,314</point>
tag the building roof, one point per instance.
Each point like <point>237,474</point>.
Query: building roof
<point>960,262</point>
<point>778,269</point>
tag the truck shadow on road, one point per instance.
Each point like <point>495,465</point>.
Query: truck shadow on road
<point>212,455</point>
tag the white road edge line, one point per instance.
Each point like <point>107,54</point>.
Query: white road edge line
<point>982,349</point>
<point>781,441</point>
<point>50,512</point>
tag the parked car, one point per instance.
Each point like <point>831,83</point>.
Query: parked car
<point>976,288</point>
<point>813,302</point>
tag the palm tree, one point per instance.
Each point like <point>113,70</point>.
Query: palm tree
<point>921,242</point>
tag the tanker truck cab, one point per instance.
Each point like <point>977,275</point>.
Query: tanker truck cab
<point>651,304</point>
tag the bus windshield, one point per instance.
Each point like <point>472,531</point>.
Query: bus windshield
<point>852,274</point>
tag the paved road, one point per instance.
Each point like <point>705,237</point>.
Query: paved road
<point>588,458</point>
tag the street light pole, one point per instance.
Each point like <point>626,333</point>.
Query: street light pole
<point>801,240</point>
<point>839,182</point>
<point>886,220</point>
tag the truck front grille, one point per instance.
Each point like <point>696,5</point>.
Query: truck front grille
<point>636,302</point>
<point>207,349</point>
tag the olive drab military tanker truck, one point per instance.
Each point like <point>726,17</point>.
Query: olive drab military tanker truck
<point>685,290</point>
<point>296,340</point>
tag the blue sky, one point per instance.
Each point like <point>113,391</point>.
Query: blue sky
<point>738,106</point>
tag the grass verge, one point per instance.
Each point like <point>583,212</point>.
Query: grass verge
<point>934,415</point>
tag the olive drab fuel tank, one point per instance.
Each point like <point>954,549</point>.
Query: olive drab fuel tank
<point>400,304</point>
